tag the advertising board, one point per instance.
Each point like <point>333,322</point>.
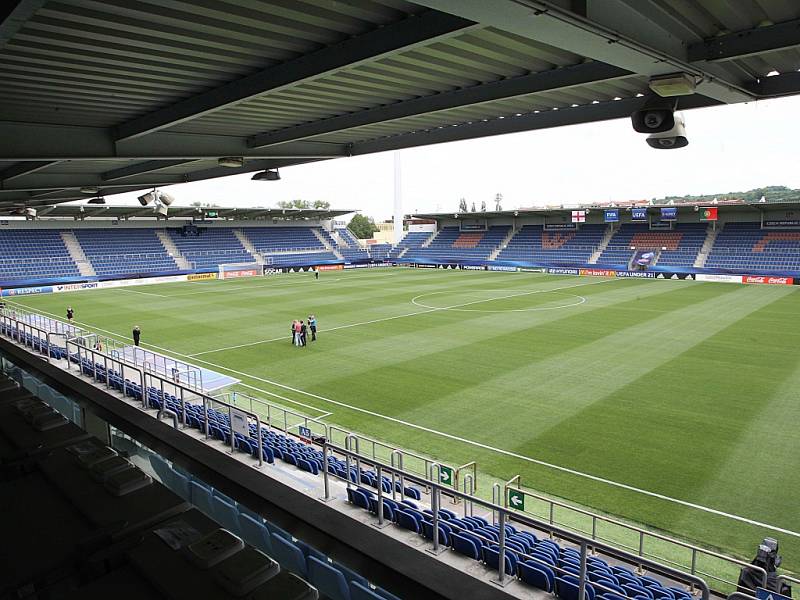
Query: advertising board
<point>201,276</point>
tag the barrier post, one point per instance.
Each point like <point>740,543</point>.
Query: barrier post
<point>381,524</point>
<point>326,484</point>
<point>397,454</point>
<point>260,441</point>
<point>582,578</point>
<point>501,560</point>
<point>435,498</point>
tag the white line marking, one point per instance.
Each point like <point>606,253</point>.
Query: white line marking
<point>481,445</point>
<point>382,319</point>
<point>581,300</point>
<point>122,289</point>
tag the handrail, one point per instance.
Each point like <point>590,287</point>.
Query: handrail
<point>507,514</point>
<point>643,533</point>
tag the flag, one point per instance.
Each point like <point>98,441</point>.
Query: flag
<point>708,214</point>
<point>578,216</point>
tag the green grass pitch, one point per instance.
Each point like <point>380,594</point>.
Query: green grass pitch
<point>687,390</point>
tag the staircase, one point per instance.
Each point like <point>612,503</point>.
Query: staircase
<point>506,240</point>
<point>428,242</point>
<point>705,250</point>
<point>402,253</point>
<point>326,243</point>
<point>172,250</point>
<point>339,239</point>
<point>603,244</point>
<point>85,267</point>
<point>248,245</point>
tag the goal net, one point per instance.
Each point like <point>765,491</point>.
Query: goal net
<point>245,269</point>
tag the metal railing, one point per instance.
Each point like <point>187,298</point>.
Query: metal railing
<point>375,450</point>
<point>641,535</point>
<point>504,516</point>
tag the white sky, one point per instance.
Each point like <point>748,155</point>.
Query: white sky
<point>731,148</point>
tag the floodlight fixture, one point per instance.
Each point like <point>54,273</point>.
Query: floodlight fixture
<point>231,162</point>
<point>268,175</point>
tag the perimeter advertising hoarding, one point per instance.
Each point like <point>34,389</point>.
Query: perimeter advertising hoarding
<point>560,271</point>
<point>75,287</point>
<point>201,276</point>
<point>768,280</point>
<point>641,274</point>
<point>598,272</point>
<point>718,278</point>
<point>502,268</point>
<point>330,267</point>
<point>25,291</point>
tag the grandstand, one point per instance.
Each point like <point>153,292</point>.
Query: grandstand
<point>549,418</point>
<point>533,243</point>
<point>748,246</point>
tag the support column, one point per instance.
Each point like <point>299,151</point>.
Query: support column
<point>398,200</point>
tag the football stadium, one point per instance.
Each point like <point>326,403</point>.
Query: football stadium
<point>588,401</point>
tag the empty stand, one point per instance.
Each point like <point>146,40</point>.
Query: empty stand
<point>748,246</point>
<point>677,247</point>
<point>125,251</point>
<point>533,244</point>
<point>452,244</point>
<point>210,248</point>
<point>34,254</point>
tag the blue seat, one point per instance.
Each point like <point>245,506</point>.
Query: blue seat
<point>634,589</point>
<point>201,498</point>
<point>444,535</point>
<point>289,556</point>
<point>359,591</point>
<point>226,514</point>
<point>255,533</point>
<point>567,588</point>
<point>491,556</point>
<point>539,576</point>
<point>410,521</point>
<point>466,546</point>
<point>327,579</point>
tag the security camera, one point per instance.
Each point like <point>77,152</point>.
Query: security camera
<point>656,116</point>
<point>671,139</point>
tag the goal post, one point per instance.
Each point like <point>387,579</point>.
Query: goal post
<point>244,269</point>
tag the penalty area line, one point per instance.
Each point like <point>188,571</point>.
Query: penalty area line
<point>467,441</point>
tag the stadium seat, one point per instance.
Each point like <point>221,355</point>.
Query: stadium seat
<point>466,546</point>
<point>288,555</point>
<point>536,575</point>
<point>491,556</point>
<point>327,579</point>
<point>567,588</point>
<point>255,533</point>
<point>201,498</point>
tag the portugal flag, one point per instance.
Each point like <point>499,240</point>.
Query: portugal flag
<point>708,214</point>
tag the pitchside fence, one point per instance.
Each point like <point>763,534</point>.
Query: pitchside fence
<point>510,501</point>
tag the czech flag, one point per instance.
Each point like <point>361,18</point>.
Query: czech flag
<point>708,214</point>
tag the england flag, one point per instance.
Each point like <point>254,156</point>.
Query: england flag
<point>578,216</point>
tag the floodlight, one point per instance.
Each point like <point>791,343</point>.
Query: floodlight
<point>268,175</point>
<point>147,198</point>
<point>89,189</point>
<point>676,84</point>
<point>98,200</point>
<point>165,198</point>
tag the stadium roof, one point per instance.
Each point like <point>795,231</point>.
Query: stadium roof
<point>121,95</point>
<point>105,211</point>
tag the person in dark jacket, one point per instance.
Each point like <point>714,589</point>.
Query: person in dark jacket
<point>303,330</point>
<point>312,325</point>
<point>70,314</point>
<point>137,333</point>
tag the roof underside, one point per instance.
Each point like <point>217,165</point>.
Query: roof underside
<point>122,95</point>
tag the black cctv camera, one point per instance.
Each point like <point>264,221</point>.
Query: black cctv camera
<point>656,116</point>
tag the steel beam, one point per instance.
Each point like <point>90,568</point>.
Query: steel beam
<point>25,168</point>
<point>746,43</point>
<point>140,168</point>
<point>403,35</point>
<point>13,16</point>
<point>472,96</point>
<point>612,32</point>
<point>603,111</point>
<point>785,84</point>
<point>45,142</point>
<point>73,181</point>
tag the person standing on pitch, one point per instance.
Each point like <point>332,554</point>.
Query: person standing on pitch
<point>137,333</point>
<point>316,273</point>
<point>70,314</point>
<point>312,325</point>
<point>293,327</point>
<point>297,332</point>
<point>303,330</point>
